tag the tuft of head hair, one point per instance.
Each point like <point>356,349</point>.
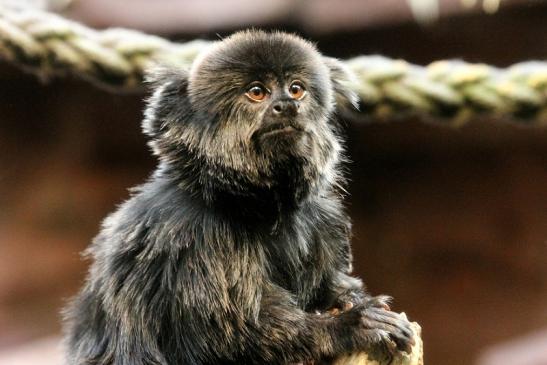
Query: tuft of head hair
<point>342,81</point>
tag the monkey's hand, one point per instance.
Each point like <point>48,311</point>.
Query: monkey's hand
<point>347,300</point>
<point>348,292</point>
<point>373,328</point>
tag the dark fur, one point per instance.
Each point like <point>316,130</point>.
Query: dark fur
<point>239,237</point>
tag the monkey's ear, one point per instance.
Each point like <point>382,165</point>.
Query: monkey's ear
<point>161,74</point>
<point>342,80</point>
<point>169,100</point>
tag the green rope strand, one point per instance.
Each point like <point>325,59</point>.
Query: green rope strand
<point>450,91</point>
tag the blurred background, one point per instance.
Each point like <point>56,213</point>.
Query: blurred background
<point>452,222</point>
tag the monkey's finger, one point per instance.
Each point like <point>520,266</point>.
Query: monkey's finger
<point>391,318</point>
<point>403,343</point>
<point>400,338</point>
<point>382,339</point>
<point>387,317</point>
<point>399,332</point>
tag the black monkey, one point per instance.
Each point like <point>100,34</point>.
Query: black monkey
<point>237,245</point>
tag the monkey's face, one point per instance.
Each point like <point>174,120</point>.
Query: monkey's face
<point>280,106</point>
<point>269,92</point>
<point>261,105</point>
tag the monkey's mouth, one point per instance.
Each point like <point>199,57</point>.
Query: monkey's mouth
<point>279,129</point>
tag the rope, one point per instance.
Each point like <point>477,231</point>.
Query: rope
<point>49,45</point>
<point>449,91</point>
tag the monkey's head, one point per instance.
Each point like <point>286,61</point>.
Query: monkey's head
<point>253,114</point>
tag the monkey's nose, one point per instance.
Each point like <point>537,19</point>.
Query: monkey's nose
<point>285,108</point>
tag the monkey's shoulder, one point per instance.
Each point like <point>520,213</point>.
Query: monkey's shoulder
<point>157,218</point>
<point>162,220</point>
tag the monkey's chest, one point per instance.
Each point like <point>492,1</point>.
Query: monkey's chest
<point>295,264</point>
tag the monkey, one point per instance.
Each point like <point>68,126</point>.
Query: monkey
<point>237,245</point>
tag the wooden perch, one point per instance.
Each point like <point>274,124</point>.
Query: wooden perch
<point>414,358</point>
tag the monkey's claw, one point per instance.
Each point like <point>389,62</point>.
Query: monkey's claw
<point>380,326</point>
<point>393,326</point>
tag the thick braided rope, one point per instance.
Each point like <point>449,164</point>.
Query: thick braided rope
<point>49,45</point>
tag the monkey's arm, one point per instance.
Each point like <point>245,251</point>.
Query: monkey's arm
<point>349,291</point>
<point>109,321</point>
<point>344,289</point>
<point>283,333</point>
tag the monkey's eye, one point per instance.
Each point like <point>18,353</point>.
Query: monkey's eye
<point>297,90</point>
<point>256,92</point>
